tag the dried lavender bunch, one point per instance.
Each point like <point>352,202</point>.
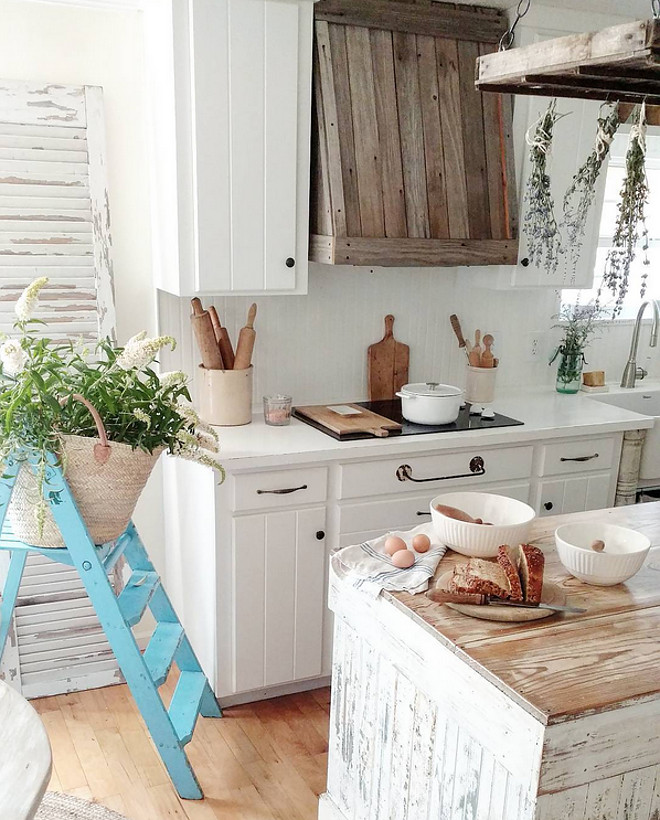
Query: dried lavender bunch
<point>631,220</point>
<point>581,193</point>
<point>539,223</point>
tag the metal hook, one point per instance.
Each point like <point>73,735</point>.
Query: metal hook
<point>506,41</point>
<point>655,8</point>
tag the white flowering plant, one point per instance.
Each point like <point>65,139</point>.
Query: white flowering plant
<point>139,407</point>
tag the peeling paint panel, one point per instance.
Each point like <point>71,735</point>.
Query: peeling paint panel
<point>55,222</point>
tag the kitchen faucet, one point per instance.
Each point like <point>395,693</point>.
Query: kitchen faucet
<point>631,370</point>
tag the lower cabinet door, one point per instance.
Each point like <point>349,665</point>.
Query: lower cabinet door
<point>568,495</point>
<point>279,597</point>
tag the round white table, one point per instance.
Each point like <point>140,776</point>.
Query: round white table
<point>25,756</point>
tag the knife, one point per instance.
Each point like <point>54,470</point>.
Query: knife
<point>441,596</point>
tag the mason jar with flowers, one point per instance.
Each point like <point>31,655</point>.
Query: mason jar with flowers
<point>104,414</point>
<point>579,325</point>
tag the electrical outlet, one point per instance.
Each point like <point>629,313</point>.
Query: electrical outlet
<point>534,346</point>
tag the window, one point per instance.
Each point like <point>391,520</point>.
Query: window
<point>615,175</point>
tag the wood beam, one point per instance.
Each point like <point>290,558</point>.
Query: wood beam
<point>413,18</point>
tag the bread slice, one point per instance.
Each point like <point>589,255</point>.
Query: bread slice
<point>480,577</point>
<point>508,558</point>
<point>532,562</point>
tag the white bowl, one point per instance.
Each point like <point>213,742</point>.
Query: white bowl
<point>511,520</point>
<point>625,552</point>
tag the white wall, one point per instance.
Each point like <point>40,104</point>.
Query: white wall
<point>89,46</point>
<point>315,347</point>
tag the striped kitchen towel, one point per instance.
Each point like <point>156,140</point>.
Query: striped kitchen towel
<point>370,569</point>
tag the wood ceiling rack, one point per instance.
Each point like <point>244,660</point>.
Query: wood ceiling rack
<point>618,63</point>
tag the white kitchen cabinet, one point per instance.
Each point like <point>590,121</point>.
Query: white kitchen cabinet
<point>279,587</point>
<point>368,519</point>
<point>247,561</point>
<point>574,494</point>
<point>230,112</point>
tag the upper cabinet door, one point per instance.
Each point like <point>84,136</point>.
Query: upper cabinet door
<point>231,97</point>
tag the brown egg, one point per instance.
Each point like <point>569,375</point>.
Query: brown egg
<point>403,559</point>
<point>421,543</point>
<point>394,544</point>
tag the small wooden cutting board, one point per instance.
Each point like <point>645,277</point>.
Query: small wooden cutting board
<point>346,420</point>
<point>387,364</point>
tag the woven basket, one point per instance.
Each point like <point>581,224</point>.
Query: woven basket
<point>106,480</point>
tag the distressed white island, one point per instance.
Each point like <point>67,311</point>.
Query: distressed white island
<point>438,715</point>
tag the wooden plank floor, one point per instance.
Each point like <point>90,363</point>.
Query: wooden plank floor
<point>262,761</point>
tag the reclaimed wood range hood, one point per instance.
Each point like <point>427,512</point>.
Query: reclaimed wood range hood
<point>618,63</point>
<point>411,165</point>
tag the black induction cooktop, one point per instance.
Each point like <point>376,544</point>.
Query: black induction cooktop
<point>391,409</point>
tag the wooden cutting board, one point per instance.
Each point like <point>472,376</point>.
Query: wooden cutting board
<point>347,420</point>
<point>387,364</point>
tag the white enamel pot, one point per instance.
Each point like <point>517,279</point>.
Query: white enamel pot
<point>430,402</point>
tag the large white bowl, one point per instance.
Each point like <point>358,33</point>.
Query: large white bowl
<point>625,552</point>
<point>511,520</point>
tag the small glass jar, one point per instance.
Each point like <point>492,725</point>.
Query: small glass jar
<point>277,410</point>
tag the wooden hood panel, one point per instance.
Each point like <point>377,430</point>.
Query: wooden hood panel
<point>411,165</point>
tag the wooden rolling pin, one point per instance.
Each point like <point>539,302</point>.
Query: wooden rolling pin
<point>246,340</point>
<point>222,338</point>
<point>205,336</point>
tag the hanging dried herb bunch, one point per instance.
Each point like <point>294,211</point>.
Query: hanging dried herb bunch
<point>581,193</point>
<point>630,223</point>
<point>539,223</point>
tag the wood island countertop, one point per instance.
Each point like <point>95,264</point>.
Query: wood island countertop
<point>566,665</point>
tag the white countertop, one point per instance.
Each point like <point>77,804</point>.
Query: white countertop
<point>546,414</point>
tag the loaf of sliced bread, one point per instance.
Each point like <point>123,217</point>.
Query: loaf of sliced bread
<point>509,558</point>
<point>480,577</point>
<point>532,562</point>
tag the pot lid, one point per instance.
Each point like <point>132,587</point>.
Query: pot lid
<point>431,389</point>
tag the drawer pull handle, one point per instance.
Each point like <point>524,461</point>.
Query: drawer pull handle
<point>548,505</point>
<point>284,491</point>
<point>580,458</point>
<point>404,472</point>
<point>421,512</point>
<point>320,535</point>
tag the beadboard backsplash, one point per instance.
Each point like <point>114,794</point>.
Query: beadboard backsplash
<point>314,347</point>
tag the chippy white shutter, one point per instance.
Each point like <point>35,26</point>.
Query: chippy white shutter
<point>54,214</point>
<point>54,221</point>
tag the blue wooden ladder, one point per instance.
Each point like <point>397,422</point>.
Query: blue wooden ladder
<point>170,728</point>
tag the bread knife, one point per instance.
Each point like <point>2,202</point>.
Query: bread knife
<point>554,607</point>
<point>441,596</point>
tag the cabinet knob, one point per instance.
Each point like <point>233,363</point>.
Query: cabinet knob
<point>525,262</point>
<point>548,505</point>
<point>320,535</point>
<point>290,262</point>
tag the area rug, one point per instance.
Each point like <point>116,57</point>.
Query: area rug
<point>56,806</point>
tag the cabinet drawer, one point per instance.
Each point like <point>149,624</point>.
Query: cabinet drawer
<point>577,456</point>
<point>280,488</point>
<point>441,471</point>
<point>403,513</point>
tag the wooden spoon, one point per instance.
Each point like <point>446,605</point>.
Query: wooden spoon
<point>477,341</point>
<point>487,358</point>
